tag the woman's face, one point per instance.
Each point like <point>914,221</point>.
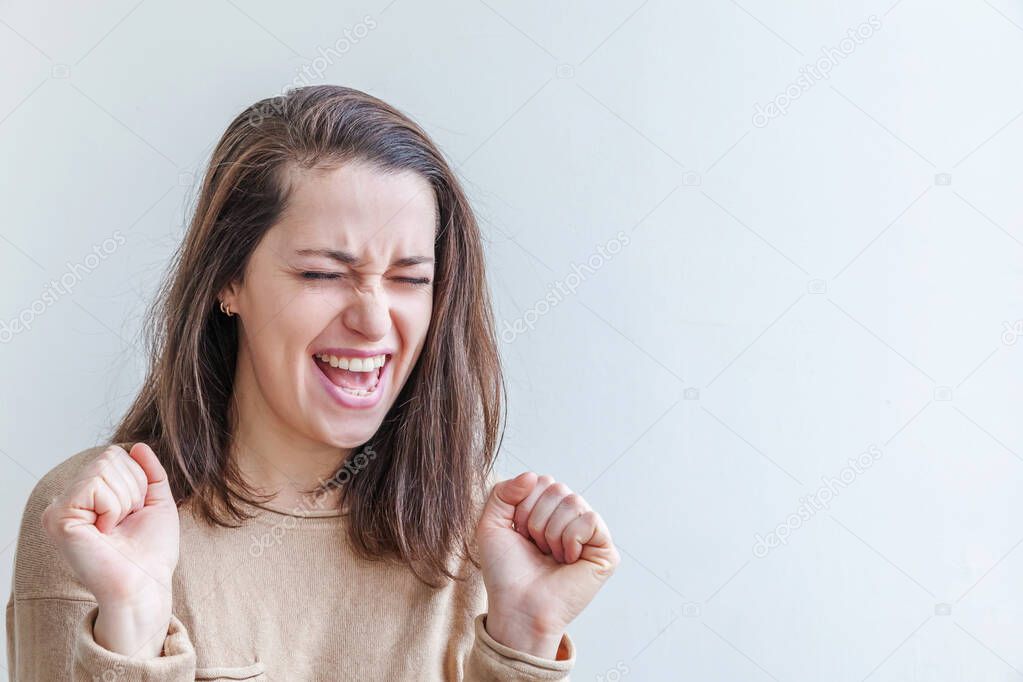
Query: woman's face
<point>342,283</point>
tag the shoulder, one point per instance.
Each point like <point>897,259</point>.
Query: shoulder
<point>39,570</point>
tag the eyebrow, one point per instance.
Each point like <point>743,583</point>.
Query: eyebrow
<point>346,258</point>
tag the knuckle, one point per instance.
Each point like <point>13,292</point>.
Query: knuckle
<point>104,466</point>
<point>545,479</point>
<point>113,453</point>
<point>560,488</point>
<point>573,500</point>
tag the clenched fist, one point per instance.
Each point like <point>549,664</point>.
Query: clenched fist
<point>117,528</point>
<point>545,553</point>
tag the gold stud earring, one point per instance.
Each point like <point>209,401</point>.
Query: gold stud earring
<point>226,309</point>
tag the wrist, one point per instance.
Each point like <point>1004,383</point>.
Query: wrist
<point>523,635</point>
<point>135,628</point>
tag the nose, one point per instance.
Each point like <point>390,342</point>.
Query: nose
<point>367,313</point>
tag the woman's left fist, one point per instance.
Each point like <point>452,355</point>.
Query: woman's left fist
<point>545,553</point>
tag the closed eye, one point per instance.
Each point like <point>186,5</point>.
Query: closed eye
<point>411,281</point>
<point>321,275</point>
<point>414,281</point>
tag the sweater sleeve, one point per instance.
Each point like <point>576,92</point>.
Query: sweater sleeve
<point>176,663</point>
<point>50,614</point>
<point>52,639</point>
<point>491,661</point>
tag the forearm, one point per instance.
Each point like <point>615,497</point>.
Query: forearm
<point>134,629</point>
<point>522,636</point>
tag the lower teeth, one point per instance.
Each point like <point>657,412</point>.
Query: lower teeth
<point>360,391</point>
<point>355,391</point>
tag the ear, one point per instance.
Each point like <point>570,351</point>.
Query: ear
<point>229,295</point>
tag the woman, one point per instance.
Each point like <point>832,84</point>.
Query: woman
<point>303,487</point>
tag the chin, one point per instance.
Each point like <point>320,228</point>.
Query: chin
<point>349,438</point>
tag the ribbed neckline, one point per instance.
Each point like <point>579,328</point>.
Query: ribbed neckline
<point>303,514</point>
<point>298,512</point>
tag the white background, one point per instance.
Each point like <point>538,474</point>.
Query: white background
<point>846,276</point>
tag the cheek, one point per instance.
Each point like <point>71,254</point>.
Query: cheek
<point>284,331</point>
<point>282,366</point>
<point>412,322</point>
<point>305,316</point>
<point>412,318</point>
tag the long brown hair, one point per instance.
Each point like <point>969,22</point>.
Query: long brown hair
<point>416,500</point>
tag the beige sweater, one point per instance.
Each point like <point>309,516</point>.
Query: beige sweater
<point>280,598</point>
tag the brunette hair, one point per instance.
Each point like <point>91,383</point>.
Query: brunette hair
<point>417,499</point>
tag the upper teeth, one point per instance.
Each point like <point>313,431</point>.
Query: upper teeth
<point>354,364</point>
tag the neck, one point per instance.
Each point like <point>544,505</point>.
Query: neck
<point>274,459</point>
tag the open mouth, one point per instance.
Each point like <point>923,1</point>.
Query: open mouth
<point>358,377</point>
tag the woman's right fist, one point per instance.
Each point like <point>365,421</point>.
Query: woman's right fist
<point>117,528</point>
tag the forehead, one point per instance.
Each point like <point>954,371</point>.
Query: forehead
<point>358,208</point>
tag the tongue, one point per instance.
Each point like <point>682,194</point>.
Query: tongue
<point>348,379</point>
